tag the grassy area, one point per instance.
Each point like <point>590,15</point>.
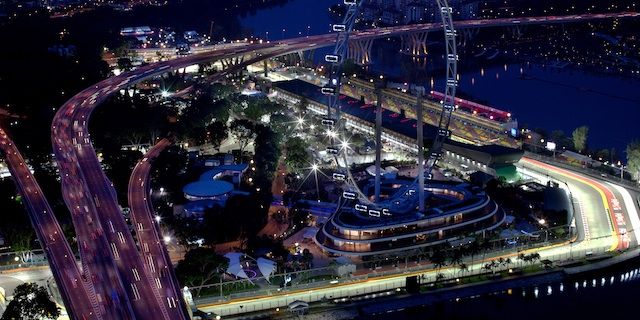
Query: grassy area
<point>227,289</point>
<point>322,277</point>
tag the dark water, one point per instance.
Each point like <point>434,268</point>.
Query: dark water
<point>538,96</point>
<point>297,17</point>
<point>562,99</point>
<point>608,294</point>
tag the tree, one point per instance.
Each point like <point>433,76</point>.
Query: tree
<point>301,107</point>
<point>580,136</point>
<point>267,154</point>
<point>297,155</point>
<point>462,267</point>
<point>216,133</point>
<point>307,258</point>
<point>124,64</point>
<point>31,301</point>
<point>243,131</point>
<point>119,164</point>
<point>633,159</point>
<point>199,267</point>
<point>438,259</point>
<point>281,123</point>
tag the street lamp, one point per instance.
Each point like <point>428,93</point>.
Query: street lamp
<point>331,134</point>
<point>314,168</point>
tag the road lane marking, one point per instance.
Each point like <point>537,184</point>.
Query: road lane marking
<point>630,206</point>
<point>593,184</point>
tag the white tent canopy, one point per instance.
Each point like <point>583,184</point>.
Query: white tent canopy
<point>235,266</point>
<point>267,267</point>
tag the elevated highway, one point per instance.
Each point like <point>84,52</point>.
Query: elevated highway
<point>77,292</point>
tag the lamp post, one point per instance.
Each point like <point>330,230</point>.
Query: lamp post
<point>621,170</point>
<point>314,168</point>
<point>221,271</point>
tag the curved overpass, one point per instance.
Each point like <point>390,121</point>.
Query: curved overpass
<point>80,299</point>
<point>129,289</point>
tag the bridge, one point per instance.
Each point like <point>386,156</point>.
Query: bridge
<point>413,37</point>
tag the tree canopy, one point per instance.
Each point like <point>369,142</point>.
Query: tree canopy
<point>297,154</point>
<point>244,131</point>
<point>216,133</point>
<point>31,301</point>
<point>633,159</point>
<point>580,136</point>
<point>199,267</point>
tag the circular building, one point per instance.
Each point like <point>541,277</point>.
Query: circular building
<point>202,190</point>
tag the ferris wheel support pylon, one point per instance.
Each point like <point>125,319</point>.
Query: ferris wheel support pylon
<point>420,138</point>
<point>405,197</point>
<point>378,132</point>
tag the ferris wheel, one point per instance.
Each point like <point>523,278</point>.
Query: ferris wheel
<point>410,196</point>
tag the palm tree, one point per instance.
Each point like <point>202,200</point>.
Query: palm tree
<point>474,248</point>
<point>438,259</point>
<point>462,267</point>
<point>521,258</point>
<point>485,245</point>
<point>534,257</point>
<point>507,262</point>
<point>455,257</point>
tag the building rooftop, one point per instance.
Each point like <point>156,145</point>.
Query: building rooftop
<point>205,189</point>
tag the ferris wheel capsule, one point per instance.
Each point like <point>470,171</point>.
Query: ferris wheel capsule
<point>374,213</point>
<point>361,207</point>
<point>349,195</point>
<point>333,150</point>
<point>328,90</point>
<point>444,133</point>
<point>338,176</point>
<point>328,122</point>
<point>339,28</point>
<point>333,58</point>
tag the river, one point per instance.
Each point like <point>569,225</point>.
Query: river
<point>538,96</point>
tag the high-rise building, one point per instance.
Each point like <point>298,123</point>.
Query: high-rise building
<point>415,12</point>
